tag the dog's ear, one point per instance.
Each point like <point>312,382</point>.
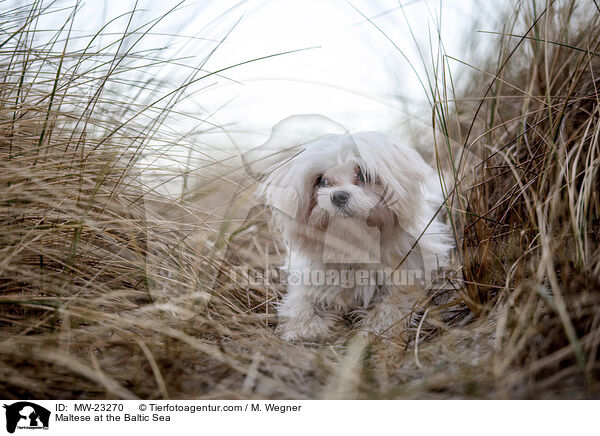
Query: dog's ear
<point>400,169</point>
<point>283,200</point>
<point>289,190</point>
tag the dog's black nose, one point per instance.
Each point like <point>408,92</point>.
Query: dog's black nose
<point>340,198</point>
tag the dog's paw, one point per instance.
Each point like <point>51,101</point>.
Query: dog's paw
<point>308,329</point>
<point>384,321</point>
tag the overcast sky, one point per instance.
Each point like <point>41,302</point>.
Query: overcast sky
<point>358,72</point>
<point>361,65</point>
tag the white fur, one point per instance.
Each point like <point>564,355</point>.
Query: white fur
<point>375,230</point>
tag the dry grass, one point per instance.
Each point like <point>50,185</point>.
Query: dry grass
<point>530,241</point>
<point>109,289</point>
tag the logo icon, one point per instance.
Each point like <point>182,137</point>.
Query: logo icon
<point>26,415</point>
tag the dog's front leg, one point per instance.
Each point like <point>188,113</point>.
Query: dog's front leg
<point>299,318</point>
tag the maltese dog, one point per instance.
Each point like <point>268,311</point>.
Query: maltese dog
<point>359,216</point>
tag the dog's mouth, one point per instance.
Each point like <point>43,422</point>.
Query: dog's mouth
<point>343,212</point>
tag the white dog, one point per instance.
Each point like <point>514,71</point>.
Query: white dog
<point>358,215</point>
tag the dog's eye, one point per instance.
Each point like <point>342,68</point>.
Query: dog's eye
<point>322,182</point>
<point>360,176</point>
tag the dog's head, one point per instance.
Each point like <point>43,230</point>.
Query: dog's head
<point>364,177</point>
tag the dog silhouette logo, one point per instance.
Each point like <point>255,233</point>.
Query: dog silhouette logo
<point>26,415</point>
